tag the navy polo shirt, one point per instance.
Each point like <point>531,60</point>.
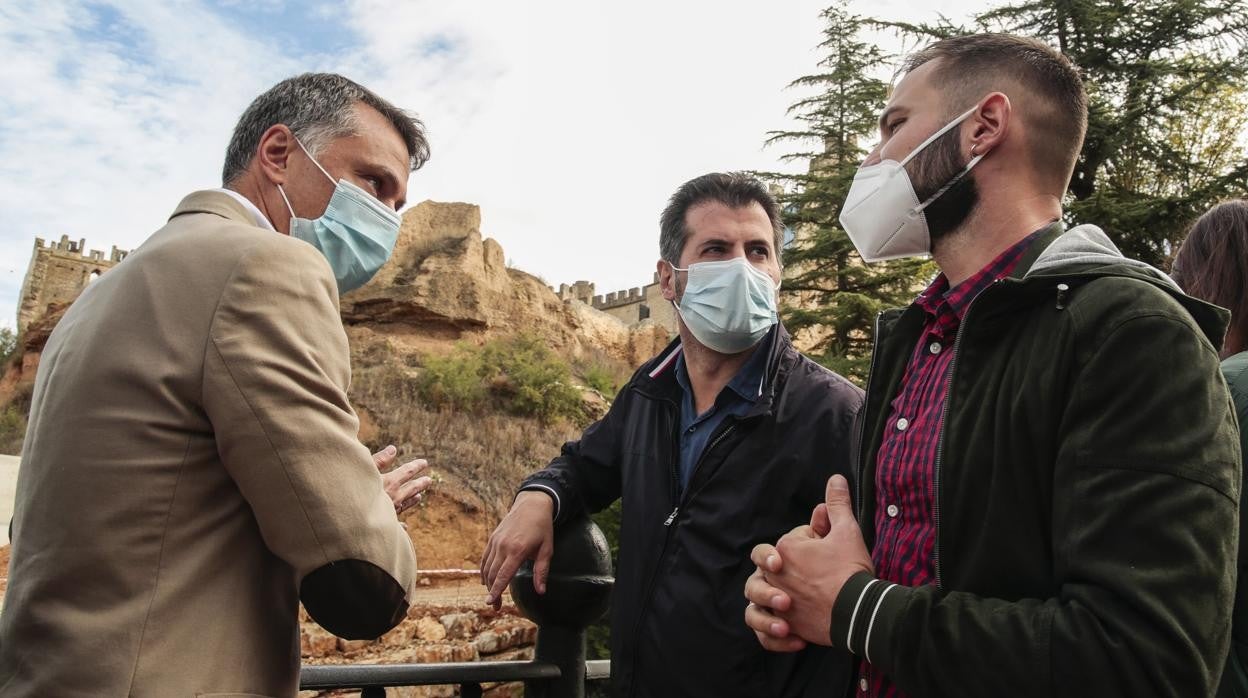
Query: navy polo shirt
<point>736,398</point>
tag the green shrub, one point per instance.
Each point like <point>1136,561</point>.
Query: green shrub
<point>12,430</point>
<point>8,345</point>
<point>600,378</point>
<point>454,381</point>
<point>517,375</point>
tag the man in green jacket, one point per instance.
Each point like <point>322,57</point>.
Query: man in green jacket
<point>1049,472</point>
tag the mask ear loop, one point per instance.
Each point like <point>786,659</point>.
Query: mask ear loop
<point>314,162</point>
<point>674,270</point>
<point>288,206</point>
<point>936,135</point>
<point>975,160</point>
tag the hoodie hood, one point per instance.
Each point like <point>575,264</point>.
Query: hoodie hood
<point>1085,250</point>
<point>1088,245</point>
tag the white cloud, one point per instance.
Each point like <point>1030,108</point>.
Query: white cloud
<point>568,122</point>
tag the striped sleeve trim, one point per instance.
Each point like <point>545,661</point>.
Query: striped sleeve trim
<point>866,642</point>
<point>548,490</point>
<point>859,612</point>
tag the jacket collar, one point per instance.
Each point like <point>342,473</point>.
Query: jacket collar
<point>217,203</point>
<point>1038,246</point>
<point>658,378</point>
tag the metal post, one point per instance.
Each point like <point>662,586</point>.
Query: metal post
<point>565,648</point>
<point>578,591</point>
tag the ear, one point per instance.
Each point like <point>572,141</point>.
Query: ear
<point>273,154</point>
<point>989,125</point>
<point>667,280</point>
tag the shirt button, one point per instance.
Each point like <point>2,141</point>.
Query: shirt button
<point>862,685</point>
<point>902,424</point>
<point>893,511</point>
<point>934,347</point>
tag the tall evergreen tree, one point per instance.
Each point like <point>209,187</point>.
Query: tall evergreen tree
<point>1167,82</point>
<point>830,297</point>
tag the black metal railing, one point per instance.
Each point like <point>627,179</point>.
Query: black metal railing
<point>577,593</point>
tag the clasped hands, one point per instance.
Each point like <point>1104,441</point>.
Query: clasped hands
<point>797,580</point>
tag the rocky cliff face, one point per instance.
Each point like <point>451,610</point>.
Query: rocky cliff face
<point>448,281</point>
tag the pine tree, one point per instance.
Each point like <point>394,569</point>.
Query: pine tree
<point>1167,82</point>
<point>830,297</point>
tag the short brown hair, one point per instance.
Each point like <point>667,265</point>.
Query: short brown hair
<point>732,189</point>
<point>1212,264</point>
<point>975,64</point>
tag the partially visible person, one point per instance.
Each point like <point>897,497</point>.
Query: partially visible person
<point>720,442</point>
<point>1212,265</point>
<point>192,470</point>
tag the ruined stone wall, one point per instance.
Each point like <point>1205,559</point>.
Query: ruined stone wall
<point>630,306</point>
<point>58,273</point>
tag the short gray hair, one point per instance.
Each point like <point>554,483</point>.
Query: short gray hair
<point>732,189</point>
<point>317,107</point>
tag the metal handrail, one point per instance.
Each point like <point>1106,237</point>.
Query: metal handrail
<point>326,677</point>
<point>578,587</point>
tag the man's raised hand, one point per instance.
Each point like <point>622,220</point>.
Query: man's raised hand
<point>405,483</point>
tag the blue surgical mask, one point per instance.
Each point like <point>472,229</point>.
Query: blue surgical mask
<point>356,233</point>
<point>728,305</point>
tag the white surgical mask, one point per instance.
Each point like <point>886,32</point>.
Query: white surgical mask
<point>882,214</point>
<point>356,233</point>
<point>728,305</point>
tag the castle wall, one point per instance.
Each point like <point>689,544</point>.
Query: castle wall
<point>58,273</point>
<point>633,305</point>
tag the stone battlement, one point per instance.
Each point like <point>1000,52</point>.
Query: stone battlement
<point>58,272</point>
<point>630,305</point>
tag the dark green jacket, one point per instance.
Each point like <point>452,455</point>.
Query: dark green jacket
<point>1235,675</point>
<point>1087,490</point>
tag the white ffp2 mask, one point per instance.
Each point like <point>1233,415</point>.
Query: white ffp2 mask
<point>883,215</point>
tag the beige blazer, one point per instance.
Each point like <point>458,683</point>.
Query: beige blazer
<point>191,471</point>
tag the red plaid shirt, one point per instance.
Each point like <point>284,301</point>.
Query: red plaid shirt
<point>904,528</point>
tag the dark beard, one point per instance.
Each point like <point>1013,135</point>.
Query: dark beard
<point>932,169</point>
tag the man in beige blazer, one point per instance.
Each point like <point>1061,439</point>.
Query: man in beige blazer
<point>192,470</point>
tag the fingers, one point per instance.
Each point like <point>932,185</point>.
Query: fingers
<point>840,507</point>
<point>766,557</point>
<point>761,593</point>
<point>541,565</point>
<point>413,487</point>
<point>506,571</point>
<point>413,468</point>
<point>792,643</point>
<point>773,632</point>
<point>410,493</point>
<point>384,458</point>
<point>394,481</point>
<point>487,559</point>
<point>819,522</point>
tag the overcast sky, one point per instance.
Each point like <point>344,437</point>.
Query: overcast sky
<point>568,122</point>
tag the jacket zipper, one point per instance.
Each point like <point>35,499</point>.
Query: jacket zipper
<point>944,413</point>
<point>668,529</point>
<point>862,426</point>
<point>697,466</point>
<point>674,410</point>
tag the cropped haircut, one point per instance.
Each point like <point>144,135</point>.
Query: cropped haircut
<point>317,107</point>
<point>732,189</point>
<point>1212,263</point>
<point>1055,100</point>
